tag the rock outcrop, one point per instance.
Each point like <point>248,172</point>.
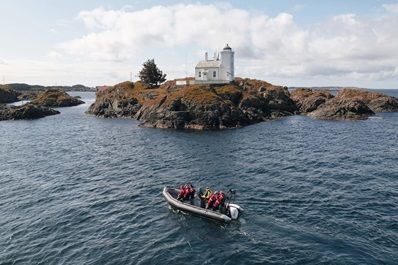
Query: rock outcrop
<point>243,102</point>
<point>56,98</point>
<point>196,106</point>
<point>349,103</point>
<point>27,95</point>
<point>342,109</point>
<point>376,101</point>
<point>308,100</point>
<point>25,112</point>
<point>7,94</point>
<point>115,102</point>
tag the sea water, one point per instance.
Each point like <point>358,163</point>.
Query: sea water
<point>77,189</point>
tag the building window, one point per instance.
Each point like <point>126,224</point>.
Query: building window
<point>214,74</point>
<point>200,74</point>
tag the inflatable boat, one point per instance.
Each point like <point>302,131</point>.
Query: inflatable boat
<point>196,206</point>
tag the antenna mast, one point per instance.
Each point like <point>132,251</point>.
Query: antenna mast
<point>186,62</point>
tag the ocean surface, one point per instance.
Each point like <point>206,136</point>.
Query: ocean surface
<point>76,189</point>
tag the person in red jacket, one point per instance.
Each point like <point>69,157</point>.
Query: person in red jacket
<point>183,192</point>
<point>212,200</point>
<point>219,201</point>
<point>187,192</point>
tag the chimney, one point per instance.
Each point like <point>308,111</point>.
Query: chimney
<point>205,56</point>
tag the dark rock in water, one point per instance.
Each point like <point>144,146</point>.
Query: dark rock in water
<point>278,99</point>
<point>25,112</point>
<point>115,102</point>
<point>195,106</point>
<point>56,98</point>
<point>376,101</point>
<point>384,104</point>
<point>308,100</point>
<point>342,109</point>
<point>7,94</point>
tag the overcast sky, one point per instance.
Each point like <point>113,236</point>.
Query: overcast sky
<point>292,43</point>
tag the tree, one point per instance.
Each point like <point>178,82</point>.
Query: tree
<point>151,75</point>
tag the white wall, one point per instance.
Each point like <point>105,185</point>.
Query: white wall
<point>227,65</point>
<point>207,74</point>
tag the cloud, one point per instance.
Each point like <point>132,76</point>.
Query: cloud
<point>52,72</point>
<point>54,55</point>
<point>393,8</point>
<point>276,46</point>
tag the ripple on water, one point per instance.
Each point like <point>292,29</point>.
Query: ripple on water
<point>75,189</point>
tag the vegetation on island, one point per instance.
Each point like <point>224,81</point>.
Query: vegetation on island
<point>151,75</point>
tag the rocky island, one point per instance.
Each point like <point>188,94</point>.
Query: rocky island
<point>348,104</point>
<point>39,107</point>
<point>7,94</point>
<point>202,107</point>
<point>25,112</point>
<point>56,98</point>
<point>240,103</point>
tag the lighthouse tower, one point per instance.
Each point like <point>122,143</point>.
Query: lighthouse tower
<point>227,64</point>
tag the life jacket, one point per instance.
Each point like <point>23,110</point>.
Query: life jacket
<point>216,203</point>
<point>208,194</point>
<point>183,191</point>
<point>212,200</point>
<point>220,196</point>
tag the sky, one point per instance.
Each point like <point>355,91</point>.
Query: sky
<point>285,42</point>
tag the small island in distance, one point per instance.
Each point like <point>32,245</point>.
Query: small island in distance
<point>39,102</point>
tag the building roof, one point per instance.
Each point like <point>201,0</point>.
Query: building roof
<point>227,47</point>
<point>209,64</point>
<point>185,79</point>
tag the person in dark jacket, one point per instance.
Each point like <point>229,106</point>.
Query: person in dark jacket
<point>191,192</point>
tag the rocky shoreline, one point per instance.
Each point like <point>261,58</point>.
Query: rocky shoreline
<point>40,104</point>
<point>25,112</point>
<point>241,103</point>
<point>200,107</point>
<point>204,107</point>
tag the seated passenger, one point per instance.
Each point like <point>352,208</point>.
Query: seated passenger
<point>183,192</point>
<point>206,196</point>
<point>219,201</point>
<point>211,201</point>
<point>191,192</point>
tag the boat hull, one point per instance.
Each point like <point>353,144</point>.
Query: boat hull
<point>192,207</point>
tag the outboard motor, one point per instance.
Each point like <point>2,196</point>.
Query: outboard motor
<point>234,210</point>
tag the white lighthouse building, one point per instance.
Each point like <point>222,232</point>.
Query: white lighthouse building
<point>218,70</point>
